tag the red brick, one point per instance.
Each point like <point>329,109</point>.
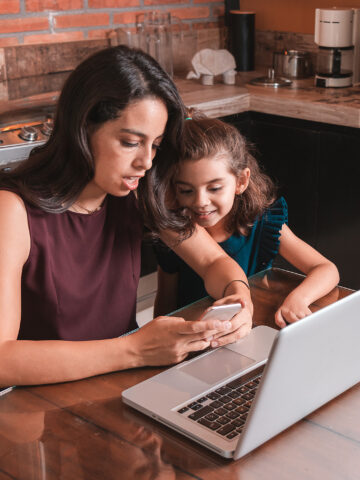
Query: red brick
<point>8,41</point>
<point>27,24</point>
<point>113,3</point>
<point>189,13</point>
<point>9,6</point>
<point>98,33</point>
<point>126,17</point>
<point>81,20</point>
<point>43,5</point>
<point>165,2</point>
<point>54,37</point>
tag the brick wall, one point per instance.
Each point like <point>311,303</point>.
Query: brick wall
<point>48,21</point>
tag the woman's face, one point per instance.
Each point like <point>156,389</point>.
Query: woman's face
<point>124,148</point>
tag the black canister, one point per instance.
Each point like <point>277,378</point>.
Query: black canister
<point>242,39</point>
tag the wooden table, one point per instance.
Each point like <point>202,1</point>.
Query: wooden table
<point>82,430</point>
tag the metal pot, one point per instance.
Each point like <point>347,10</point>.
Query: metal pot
<point>292,64</point>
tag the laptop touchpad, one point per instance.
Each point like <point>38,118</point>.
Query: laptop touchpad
<point>217,365</point>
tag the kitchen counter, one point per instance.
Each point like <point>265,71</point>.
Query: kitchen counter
<point>301,100</point>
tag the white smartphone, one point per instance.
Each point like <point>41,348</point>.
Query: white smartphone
<point>222,312</point>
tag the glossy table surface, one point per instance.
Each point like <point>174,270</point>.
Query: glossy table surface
<point>82,430</point>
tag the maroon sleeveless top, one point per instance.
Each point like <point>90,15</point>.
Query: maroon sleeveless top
<point>81,277</point>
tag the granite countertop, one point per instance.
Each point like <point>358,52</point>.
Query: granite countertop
<point>300,100</point>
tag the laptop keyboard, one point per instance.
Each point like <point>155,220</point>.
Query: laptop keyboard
<point>224,410</point>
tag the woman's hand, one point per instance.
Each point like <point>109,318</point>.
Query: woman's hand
<point>291,310</point>
<point>241,323</point>
<point>168,340</point>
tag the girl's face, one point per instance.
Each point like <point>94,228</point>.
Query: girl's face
<point>207,188</point>
<point>124,148</point>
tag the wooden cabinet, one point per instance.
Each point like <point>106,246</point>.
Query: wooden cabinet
<point>317,169</point>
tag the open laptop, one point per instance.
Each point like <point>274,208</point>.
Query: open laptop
<point>234,398</point>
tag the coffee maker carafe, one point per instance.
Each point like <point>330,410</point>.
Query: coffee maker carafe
<point>334,34</point>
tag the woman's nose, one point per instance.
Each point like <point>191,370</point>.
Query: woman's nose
<point>145,158</point>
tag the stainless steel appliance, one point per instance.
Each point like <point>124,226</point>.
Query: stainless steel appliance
<point>336,34</point>
<point>292,64</point>
<point>18,139</point>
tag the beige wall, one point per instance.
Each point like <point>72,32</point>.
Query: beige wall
<point>290,15</point>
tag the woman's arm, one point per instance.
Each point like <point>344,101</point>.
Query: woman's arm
<point>25,362</point>
<point>164,341</point>
<point>218,271</point>
<point>165,300</point>
<point>321,277</point>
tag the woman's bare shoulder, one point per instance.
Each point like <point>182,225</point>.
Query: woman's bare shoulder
<point>11,200</point>
<point>14,224</point>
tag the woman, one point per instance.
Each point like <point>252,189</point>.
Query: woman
<point>71,233</point>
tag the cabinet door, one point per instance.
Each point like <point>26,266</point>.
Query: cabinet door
<point>339,204</point>
<point>288,154</point>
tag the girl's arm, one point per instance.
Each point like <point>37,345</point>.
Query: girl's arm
<point>165,300</point>
<point>24,362</point>
<point>321,277</point>
<point>218,271</point>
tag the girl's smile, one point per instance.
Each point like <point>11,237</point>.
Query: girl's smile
<point>204,215</point>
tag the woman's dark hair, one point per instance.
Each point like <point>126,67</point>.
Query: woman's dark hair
<point>208,137</point>
<point>96,91</point>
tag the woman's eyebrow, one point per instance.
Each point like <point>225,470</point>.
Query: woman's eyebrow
<point>139,134</point>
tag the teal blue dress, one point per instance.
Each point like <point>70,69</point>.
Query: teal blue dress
<point>253,252</point>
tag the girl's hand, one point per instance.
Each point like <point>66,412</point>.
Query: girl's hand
<point>241,323</point>
<point>168,340</point>
<point>292,309</point>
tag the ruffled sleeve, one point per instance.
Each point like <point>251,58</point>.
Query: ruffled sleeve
<point>166,258</point>
<point>271,223</point>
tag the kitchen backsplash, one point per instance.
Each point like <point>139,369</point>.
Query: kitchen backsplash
<point>55,21</point>
<point>268,42</point>
<point>21,61</point>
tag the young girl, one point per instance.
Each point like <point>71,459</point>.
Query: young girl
<point>219,186</point>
